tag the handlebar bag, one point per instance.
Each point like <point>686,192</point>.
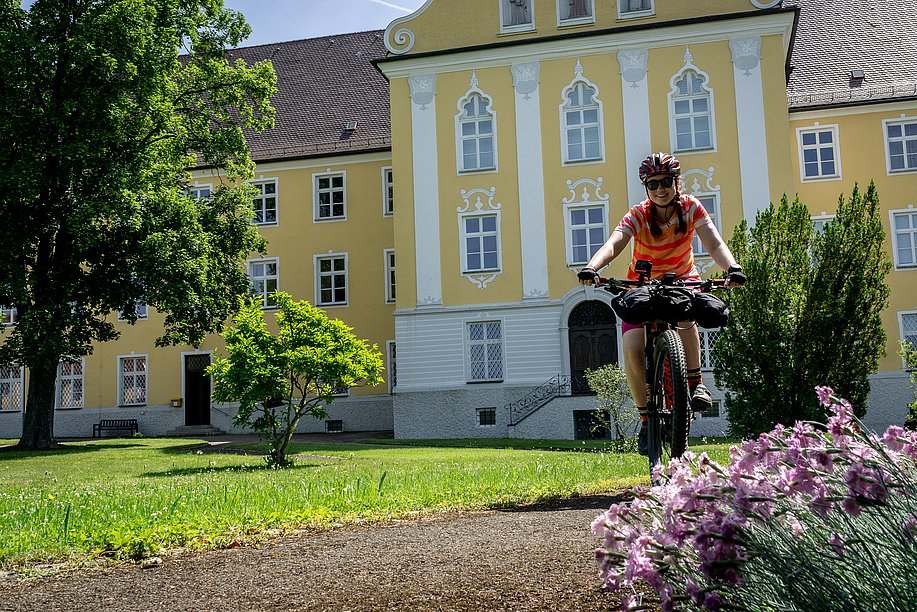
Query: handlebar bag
<point>642,304</point>
<point>709,311</point>
<point>633,306</point>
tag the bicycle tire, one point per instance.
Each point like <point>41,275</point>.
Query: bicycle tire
<point>670,386</point>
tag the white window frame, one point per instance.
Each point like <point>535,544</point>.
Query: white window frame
<point>715,215</point>
<point>388,192</point>
<point>267,302</point>
<point>462,119</point>
<point>8,316</point>
<point>578,80</point>
<point>707,340</point>
<point>463,242</point>
<point>622,14</point>
<point>316,264</point>
<point>265,181</point>
<point>902,120</point>
<point>574,21</point>
<point>819,221</point>
<point>61,378</point>
<point>818,129</point>
<point>142,309</point>
<point>901,335</point>
<point>122,375</point>
<point>195,190</point>
<point>478,412</point>
<point>674,95</point>
<point>388,256</point>
<point>569,228</point>
<point>522,27</point>
<point>316,195</point>
<point>910,210</point>
<point>391,365</point>
<point>466,332</point>
<point>12,382</point>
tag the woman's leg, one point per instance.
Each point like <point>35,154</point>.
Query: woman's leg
<point>634,341</point>
<point>690,339</point>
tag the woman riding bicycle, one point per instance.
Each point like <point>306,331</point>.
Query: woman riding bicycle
<point>663,228</point>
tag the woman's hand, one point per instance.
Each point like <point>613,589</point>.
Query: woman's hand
<point>734,276</point>
<point>587,276</point>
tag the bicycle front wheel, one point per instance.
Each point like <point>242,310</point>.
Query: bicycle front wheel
<point>670,386</point>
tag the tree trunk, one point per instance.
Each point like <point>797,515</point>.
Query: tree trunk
<point>38,419</point>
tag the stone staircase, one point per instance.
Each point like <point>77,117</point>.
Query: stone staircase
<point>195,431</point>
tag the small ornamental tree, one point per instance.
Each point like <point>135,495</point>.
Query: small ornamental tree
<point>810,312</point>
<point>279,379</point>
<point>609,383</point>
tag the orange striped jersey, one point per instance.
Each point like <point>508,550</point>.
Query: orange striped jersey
<point>670,252</point>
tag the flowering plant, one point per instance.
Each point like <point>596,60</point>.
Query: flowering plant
<point>809,517</point>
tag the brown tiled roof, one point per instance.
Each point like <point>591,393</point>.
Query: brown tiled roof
<point>834,37</point>
<point>322,84</point>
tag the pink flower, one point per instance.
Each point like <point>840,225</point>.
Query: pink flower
<point>824,395</point>
<point>837,543</point>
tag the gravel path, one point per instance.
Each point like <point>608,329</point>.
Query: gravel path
<point>535,558</point>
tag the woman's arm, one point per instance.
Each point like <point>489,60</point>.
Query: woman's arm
<point>608,251</point>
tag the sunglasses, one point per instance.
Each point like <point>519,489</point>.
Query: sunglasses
<point>654,184</point>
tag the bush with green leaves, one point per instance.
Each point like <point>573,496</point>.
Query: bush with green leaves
<point>809,313</point>
<point>279,379</point>
<point>908,353</point>
<point>609,383</point>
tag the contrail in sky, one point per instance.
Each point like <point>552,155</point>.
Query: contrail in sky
<point>394,6</point>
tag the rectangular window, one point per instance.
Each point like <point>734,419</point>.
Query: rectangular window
<point>819,157</point>
<point>516,16</point>
<point>70,383</point>
<point>8,316</point>
<point>714,411</point>
<point>265,277</point>
<point>487,417</point>
<point>634,8</point>
<point>901,144</point>
<point>707,341</point>
<point>200,192</point>
<point>819,222</point>
<point>388,192</point>
<point>140,308</point>
<point>588,231</point>
<point>712,206</point>
<point>485,351</point>
<point>480,243</point>
<point>330,197</point>
<point>476,139</point>
<point>331,278</point>
<point>908,324</point>
<point>904,235</point>
<point>11,386</point>
<point>265,202</point>
<point>132,380</point>
<point>575,12</point>
<point>389,275</point>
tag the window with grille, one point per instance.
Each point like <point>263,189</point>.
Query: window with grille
<point>819,157</point>
<point>634,8</point>
<point>692,113</point>
<point>330,197</point>
<point>265,202</point>
<point>476,135</point>
<point>487,417</point>
<point>581,127</point>
<point>265,279</point>
<point>70,383</point>
<point>485,351</point>
<point>901,145</point>
<point>11,387</point>
<point>389,275</point>
<point>7,316</point>
<point>588,229</point>
<point>480,243</point>
<point>707,341</point>
<point>713,412</point>
<point>571,12</point>
<point>388,192</point>
<point>712,205</point>
<point>909,328</point>
<point>132,385</point>
<point>331,275</point>
<point>904,228</point>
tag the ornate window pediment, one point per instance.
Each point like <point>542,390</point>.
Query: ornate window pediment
<point>475,131</point>
<point>581,124</point>
<point>691,116</point>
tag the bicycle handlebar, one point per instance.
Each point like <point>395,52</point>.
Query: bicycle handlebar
<point>704,285</point>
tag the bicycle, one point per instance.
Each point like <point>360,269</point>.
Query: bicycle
<point>668,398</point>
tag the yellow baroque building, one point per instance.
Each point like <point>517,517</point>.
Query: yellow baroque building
<point>489,147</point>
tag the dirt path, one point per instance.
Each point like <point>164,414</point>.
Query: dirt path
<point>536,558</point>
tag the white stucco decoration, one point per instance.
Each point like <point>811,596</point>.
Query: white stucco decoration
<point>423,88</point>
<point>693,177</point>
<point>525,78</point>
<point>746,53</point>
<point>591,191</point>
<point>401,40</point>
<point>633,65</point>
<point>476,204</point>
<point>763,4</point>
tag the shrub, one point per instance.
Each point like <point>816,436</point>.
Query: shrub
<point>909,354</point>
<point>609,383</point>
<point>803,518</point>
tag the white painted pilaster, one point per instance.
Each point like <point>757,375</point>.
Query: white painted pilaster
<point>635,99</point>
<point>753,171</point>
<point>531,181</point>
<point>426,190</point>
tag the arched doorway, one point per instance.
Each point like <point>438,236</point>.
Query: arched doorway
<point>593,341</point>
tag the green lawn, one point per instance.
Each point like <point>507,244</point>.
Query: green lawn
<point>130,498</point>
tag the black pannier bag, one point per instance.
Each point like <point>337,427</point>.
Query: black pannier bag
<point>709,311</point>
<point>641,304</point>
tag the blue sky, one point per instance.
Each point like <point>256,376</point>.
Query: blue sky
<point>279,20</point>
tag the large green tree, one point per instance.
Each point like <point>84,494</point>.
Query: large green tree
<point>104,106</point>
<point>810,313</point>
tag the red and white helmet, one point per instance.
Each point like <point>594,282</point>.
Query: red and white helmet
<point>659,163</point>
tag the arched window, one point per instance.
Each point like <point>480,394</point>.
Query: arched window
<point>581,120</point>
<point>477,135</point>
<point>691,109</point>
